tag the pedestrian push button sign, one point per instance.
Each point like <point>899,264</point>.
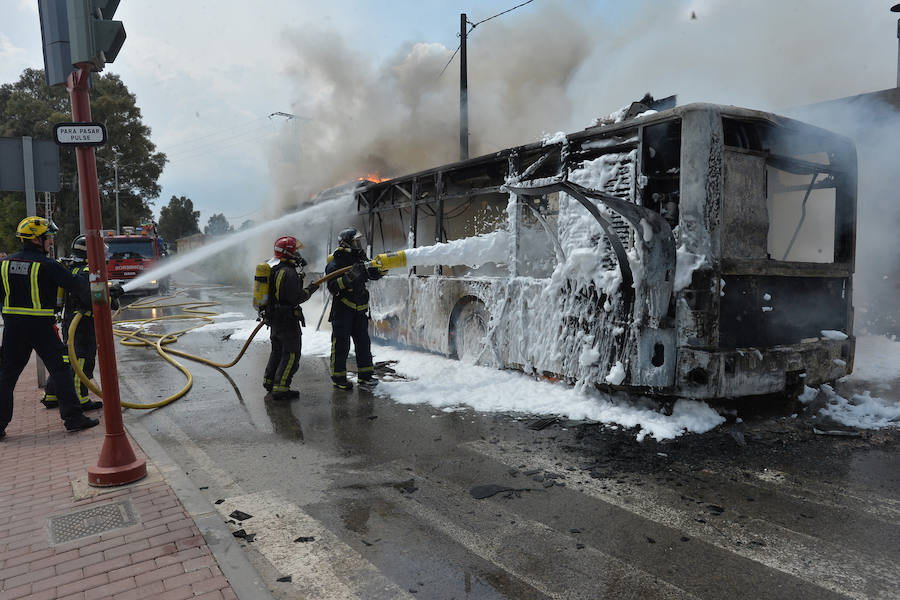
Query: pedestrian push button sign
<point>79,134</point>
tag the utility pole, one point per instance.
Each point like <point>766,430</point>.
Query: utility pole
<point>896,8</point>
<point>117,464</point>
<point>463,92</point>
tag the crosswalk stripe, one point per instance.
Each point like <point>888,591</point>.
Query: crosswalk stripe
<point>206,464</point>
<point>322,569</point>
<point>839,569</point>
<point>489,531</point>
<point>824,494</point>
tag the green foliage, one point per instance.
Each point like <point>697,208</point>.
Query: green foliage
<point>12,211</point>
<point>30,107</point>
<point>218,225</point>
<point>178,219</point>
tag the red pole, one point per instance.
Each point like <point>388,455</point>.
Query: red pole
<point>117,464</point>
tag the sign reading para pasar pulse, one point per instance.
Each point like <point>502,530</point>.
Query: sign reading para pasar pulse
<point>79,134</point>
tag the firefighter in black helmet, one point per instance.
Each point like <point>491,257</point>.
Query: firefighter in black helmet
<point>85,338</point>
<point>285,316</point>
<point>29,282</point>
<point>350,310</point>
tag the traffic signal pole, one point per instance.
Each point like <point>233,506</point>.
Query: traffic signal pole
<point>117,464</point>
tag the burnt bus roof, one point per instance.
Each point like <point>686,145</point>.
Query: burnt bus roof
<point>610,130</point>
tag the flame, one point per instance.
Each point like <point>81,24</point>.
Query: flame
<point>373,177</point>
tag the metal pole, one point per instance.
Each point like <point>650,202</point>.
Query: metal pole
<point>116,171</point>
<point>463,92</point>
<point>117,464</point>
<point>28,172</point>
<point>896,8</point>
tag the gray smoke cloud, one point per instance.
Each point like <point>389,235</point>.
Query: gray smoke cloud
<point>562,65</point>
<point>873,122</point>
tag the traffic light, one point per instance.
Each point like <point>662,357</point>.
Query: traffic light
<point>93,37</point>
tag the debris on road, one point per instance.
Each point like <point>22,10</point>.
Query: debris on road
<point>836,432</point>
<point>238,515</point>
<point>479,492</point>
<point>542,423</point>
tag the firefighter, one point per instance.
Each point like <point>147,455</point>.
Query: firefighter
<point>350,311</point>
<point>284,315</point>
<point>85,338</point>
<point>30,279</point>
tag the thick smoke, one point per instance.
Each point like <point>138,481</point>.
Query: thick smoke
<point>562,64</point>
<point>400,117</point>
<point>873,123</point>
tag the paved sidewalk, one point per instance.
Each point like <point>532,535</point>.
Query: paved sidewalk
<point>62,539</point>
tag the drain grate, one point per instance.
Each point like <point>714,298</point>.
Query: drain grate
<point>92,521</point>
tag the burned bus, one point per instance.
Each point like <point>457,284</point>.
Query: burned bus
<point>702,251</point>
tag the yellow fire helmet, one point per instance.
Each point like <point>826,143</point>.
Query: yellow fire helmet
<point>34,227</point>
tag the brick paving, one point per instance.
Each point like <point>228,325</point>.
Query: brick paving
<point>43,473</point>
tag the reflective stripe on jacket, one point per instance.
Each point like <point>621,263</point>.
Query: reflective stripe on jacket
<point>30,281</point>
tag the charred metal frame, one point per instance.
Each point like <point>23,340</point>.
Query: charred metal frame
<point>688,320</point>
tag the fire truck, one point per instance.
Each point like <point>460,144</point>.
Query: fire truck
<point>131,253</point>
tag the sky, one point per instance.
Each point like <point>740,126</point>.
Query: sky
<point>363,81</point>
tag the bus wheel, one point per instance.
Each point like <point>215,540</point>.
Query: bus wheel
<point>469,332</point>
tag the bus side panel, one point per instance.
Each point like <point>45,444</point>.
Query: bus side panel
<point>416,310</point>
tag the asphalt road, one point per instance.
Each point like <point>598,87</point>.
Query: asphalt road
<point>355,496</point>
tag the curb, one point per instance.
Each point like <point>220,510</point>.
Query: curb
<point>243,577</point>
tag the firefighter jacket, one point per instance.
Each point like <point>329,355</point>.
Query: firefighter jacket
<point>30,281</point>
<point>348,292</point>
<point>74,302</point>
<point>287,293</point>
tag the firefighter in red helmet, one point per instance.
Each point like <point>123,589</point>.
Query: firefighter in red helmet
<point>284,316</point>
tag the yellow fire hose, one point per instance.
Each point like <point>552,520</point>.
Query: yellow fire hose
<point>141,338</point>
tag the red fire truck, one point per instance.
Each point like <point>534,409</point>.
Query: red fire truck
<point>134,251</point>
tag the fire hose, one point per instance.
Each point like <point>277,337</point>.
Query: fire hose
<point>139,338</point>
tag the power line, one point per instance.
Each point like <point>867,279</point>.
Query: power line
<point>474,25</point>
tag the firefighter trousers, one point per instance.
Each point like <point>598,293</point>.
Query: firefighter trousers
<point>284,358</point>
<point>21,335</point>
<point>346,324</point>
<point>86,351</point>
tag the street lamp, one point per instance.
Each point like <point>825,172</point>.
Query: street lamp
<point>116,179</point>
<point>115,166</point>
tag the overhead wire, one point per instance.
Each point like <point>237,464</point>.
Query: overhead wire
<point>474,25</point>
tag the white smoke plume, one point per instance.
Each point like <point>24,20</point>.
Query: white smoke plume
<point>562,64</point>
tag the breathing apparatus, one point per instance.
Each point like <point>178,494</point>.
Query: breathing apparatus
<point>286,248</point>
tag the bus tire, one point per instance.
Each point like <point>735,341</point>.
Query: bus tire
<point>468,332</point>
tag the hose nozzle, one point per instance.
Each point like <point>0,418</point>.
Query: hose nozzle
<point>390,260</point>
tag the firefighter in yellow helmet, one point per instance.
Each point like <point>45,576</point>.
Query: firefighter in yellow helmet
<point>350,311</point>
<point>30,279</point>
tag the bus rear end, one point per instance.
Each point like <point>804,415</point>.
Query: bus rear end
<point>775,311</point>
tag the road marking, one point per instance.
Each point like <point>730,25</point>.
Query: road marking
<point>220,477</point>
<point>811,559</point>
<point>825,494</point>
<point>325,568</point>
<point>520,546</point>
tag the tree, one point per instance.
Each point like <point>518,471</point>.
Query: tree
<point>217,225</point>
<point>178,219</point>
<point>30,107</point>
<point>12,211</point>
